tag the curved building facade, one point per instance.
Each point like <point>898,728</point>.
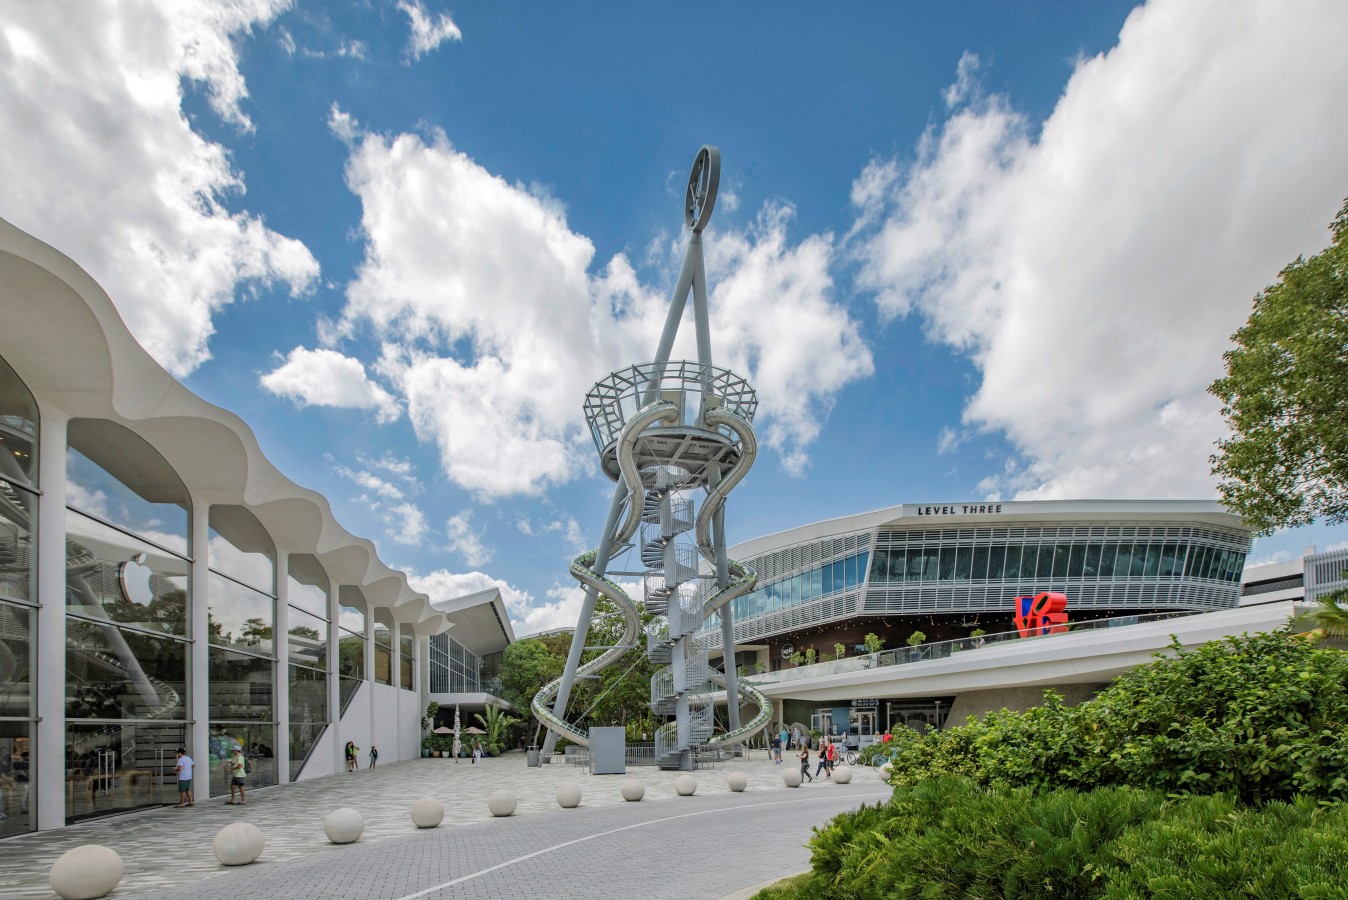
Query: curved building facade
<point>162,584</point>
<point>946,569</point>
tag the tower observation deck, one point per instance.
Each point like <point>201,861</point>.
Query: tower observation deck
<point>676,436</point>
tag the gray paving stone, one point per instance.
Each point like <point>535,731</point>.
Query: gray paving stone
<point>707,845</point>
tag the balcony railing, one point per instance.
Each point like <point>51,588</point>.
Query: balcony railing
<point>944,649</point>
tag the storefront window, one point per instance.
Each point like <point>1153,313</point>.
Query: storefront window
<point>383,646</point>
<point>113,474</point>
<point>115,577</point>
<point>16,659</point>
<point>241,548</point>
<point>405,656</point>
<point>18,429</point>
<point>241,687</point>
<point>241,617</point>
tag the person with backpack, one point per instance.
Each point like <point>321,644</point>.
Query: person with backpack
<point>374,756</point>
<point>237,767</point>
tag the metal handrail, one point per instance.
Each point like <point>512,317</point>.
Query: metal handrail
<point>943,649</point>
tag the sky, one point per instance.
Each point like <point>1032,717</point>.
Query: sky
<point>962,251</point>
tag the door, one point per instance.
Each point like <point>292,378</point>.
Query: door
<point>118,767</point>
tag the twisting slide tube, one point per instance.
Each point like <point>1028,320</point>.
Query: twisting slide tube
<point>743,578</point>
<point>582,569</point>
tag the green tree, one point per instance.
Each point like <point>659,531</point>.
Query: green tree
<point>1285,396</point>
<point>526,666</point>
<point>839,650</point>
<point>873,642</point>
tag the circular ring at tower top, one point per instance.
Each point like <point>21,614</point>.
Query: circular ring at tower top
<point>702,184</point>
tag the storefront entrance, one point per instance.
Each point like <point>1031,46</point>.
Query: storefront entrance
<point>119,767</point>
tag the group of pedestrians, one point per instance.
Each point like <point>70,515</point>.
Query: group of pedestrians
<point>827,754</point>
<point>353,756</point>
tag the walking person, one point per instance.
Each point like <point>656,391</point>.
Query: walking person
<point>776,750</point>
<point>477,751</point>
<point>237,767</point>
<point>350,756</point>
<point>374,756</point>
<point>805,764</point>
<point>786,738</point>
<point>832,757</point>
<point>184,770</point>
<point>824,744</point>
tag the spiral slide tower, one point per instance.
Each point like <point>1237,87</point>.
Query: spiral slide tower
<point>676,436</point>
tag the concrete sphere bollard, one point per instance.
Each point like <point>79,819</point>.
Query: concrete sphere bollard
<point>842,776</point>
<point>344,826</point>
<point>238,844</point>
<point>685,785</point>
<point>502,803</point>
<point>633,790</point>
<point>427,812</point>
<point>737,781</point>
<point>568,796</point>
<point>791,778</point>
<point>86,872</point>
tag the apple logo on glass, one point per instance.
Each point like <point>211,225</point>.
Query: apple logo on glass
<point>133,577</point>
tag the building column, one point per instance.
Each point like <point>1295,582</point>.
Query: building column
<point>47,772</point>
<point>334,681</point>
<point>198,692</point>
<point>282,666</point>
<point>369,663</point>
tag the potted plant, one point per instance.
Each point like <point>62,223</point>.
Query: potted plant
<point>915,639</point>
<point>839,650</point>
<point>797,658</point>
<point>810,656</point>
<point>873,644</point>
<point>977,635</point>
<point>760,667</point>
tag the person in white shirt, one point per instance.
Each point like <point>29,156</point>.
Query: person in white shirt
<point>185,765</point>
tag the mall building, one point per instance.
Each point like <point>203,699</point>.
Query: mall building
<point>151,561</point>
<point>938,572</point>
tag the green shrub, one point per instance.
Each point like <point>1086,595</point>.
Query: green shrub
<point>948,838</point>
<point>1262,717</point>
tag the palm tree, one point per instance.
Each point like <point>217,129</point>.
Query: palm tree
<point>1329,616</point>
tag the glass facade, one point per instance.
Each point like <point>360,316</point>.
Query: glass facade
<point>242,658</point>
<point>122,606</point>
<point>821,581</point>
<point>307,639</point>
<point>127,596</point>
<point>405,650</point>
<point>454,669</point>
<point>1104,567</point>
<point>383,646</point>
<point>18,546</point>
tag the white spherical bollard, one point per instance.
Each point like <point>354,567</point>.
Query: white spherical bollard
<point>568,796</point>
<point>502,803</point>
<point>737,781</point>
<point>842,776</point>
<point>238,844</point>
<point>633,790</point>
<point>791,778</point>
<point>344,826</point>
<point>427,812</point>
<point>685,785</point>
<point>86,872</point>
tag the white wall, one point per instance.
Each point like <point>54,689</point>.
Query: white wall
<point>409,724</point>
<point>320,760</point>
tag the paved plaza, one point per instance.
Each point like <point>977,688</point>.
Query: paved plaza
<point>709,845</point>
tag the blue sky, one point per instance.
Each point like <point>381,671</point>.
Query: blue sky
<point>986,250</point>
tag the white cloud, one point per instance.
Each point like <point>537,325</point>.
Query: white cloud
<point>466,541</point>
<point>1094,270</point>
<point>327,378</point>
<point>404,522</point>
<point>966,84</point>
<point>428,32</point>
<point>494,328</point>
<point>110,170</point>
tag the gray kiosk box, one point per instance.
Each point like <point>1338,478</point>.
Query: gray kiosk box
<point>608,751</point>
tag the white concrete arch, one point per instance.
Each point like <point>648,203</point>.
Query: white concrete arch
<point>65,339</point>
